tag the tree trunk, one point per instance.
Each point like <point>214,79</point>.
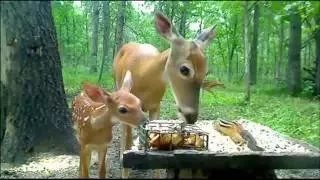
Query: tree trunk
<point>233,47</point>
<point>95,35</point>
<point>281,42</point>
<point>237,65</point>
<point>106,35</point>
<point>246,48</point>
<point>317,39</point>
<point>36,110</point>
<point>267,55</point>
<point>254,45</point>
<point>182,28</point>
<point>275,57</point>
<point>120,31</point>
<point>87,35</point>
<point>294,60</point>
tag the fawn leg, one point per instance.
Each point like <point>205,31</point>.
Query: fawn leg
<point>126,144</point>
<point>85,155</point>
<point>154,114</point>
<point>102,162</point>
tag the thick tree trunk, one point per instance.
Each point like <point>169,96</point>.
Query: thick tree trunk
<point>95,35</point>
<point>317,38</point>
<point>36,111</point>
<point>254,45</point>
<point>246,48</point>
<point>120,31</point>
<point>281,43</point>
<point>294,61</point>
<point>106,35</point>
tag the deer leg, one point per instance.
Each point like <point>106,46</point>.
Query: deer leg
<point>154,114</point>
<point>102,162</point>
<point>84,161</point>
<point>126,144</point>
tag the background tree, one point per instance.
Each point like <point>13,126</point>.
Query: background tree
<point>37,117</point>
<point>120,27</point>
<point>106,35</point>
<point>246,48</point>
<point>254,45</point>
<point>294,61</point>
<point>95,34</point>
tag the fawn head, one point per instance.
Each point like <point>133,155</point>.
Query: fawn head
<point>122,105</point>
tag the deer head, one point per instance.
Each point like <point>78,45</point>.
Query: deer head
<point>186,66</point>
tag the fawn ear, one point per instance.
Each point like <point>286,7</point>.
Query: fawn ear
<point>127,82</point>
<point>94,92</point>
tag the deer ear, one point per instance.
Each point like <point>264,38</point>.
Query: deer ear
<point>95,93</point>
<point>127,82</point>
<point>164,27</point>
<point>205,37</point>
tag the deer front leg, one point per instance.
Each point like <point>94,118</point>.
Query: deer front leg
<point>102,162</point>
<point>154,114</point>
<point>85,156</point>
<point>125,145</point>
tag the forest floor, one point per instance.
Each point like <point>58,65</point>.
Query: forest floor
<point>51,166</point>
<point>48,165</point>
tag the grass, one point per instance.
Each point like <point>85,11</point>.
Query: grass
<point>297,117</point>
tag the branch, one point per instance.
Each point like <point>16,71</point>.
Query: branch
<point>135,32</point>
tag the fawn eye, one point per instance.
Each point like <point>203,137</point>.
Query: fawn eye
<point>184,70</point>
<point>123,110</point>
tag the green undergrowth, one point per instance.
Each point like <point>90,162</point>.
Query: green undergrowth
<point>297,117</point>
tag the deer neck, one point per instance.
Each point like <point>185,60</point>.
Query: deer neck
<point>158,66</point>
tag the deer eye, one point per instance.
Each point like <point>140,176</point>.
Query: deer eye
<point>184,70</point>
<point>123,110</point>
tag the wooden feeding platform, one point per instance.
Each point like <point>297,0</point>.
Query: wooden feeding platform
<point>220,152</point>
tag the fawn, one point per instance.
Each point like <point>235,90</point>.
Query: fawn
<point>95,111</point>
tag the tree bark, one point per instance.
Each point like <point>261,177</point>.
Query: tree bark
<point>294,61</point>
<point>246,49</point>
<point>95,34</point>
<point>281,42</point>
<point>254,45</point>
<point>36,113</point>
<point>106,35</point>
<point>120,31</point>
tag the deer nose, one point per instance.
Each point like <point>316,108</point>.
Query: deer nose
<point>191,117</point>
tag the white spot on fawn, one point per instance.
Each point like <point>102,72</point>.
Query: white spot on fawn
<point>86,118</point>
<point>100,107</point>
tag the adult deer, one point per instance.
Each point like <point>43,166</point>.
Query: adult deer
<point>95,111</point>
<point>183,65</point>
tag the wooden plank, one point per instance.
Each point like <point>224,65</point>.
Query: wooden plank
<point>179,159</point>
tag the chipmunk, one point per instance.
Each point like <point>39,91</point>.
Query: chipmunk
<point>237,134</point>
